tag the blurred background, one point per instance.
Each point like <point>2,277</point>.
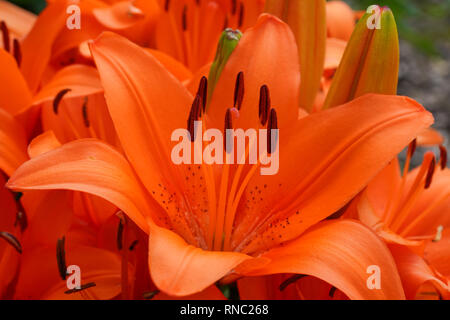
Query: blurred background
<point>424,30</point>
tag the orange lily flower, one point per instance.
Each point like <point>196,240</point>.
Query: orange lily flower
<point>188,211</point>
<point>31,223</point>
<point>19,101</point>
<point>409,211</point>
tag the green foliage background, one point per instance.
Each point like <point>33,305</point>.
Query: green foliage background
<point>35,6</point>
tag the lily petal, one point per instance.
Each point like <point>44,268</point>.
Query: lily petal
<point>99,266</point>
<point>90,166</point>
<point>14,92</point>
<point>18,20</point>
<point>339,253</point>
<point>133,78</point>
<point>340,20</point>
<point>307,21</point>
<point>120,15</point>
<point>429,137</point>
<point>37,46</point>
<point>210,293</point>
<point>415,272</point>
<point>437,253</point>
<point>43,143</point>
<point>178,269</point>
<point>12,143</point>
<point>174,66</point>
<point>266,54</point>
<point>356,142</point>
<point>80,79</point>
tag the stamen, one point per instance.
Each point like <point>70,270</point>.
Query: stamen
<point>332,292</point>
<point>233,7</point>
<point>17,51</point>
<point>412,148</point>
<point>122,236</point>
<point>84,111</point>
<point>264,104</point>
<point>5,35</point>
<point>12,240</point>
<point>430,173</point>
<point>21,217</point>
<point>150,295</point>
<point>184,18</point>
<point>61,257</point>
<point>394,202</point>
<point>225,22</point>
<point>272,125</point>
<point>119,238</point>
<point>82,287</point>
<point>166,5</point>
<point>291,280</point>
<point>21,220</point>
<point>400,211</point>
<point>59,96</point>
<point>443,157</point>
<point>194,115</point>
<point>133,245</point>
<point>241,14</point>
<point>239,90</point>
<point>228,143</point>
<point>203,91</point>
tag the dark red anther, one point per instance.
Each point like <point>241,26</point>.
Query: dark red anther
<point>264,104</point>
<point>61,257</point>
<point>197,106</point>
<point>225,22</point>
<point>443,157</point>
<point>82,287</point>
<point>430,173</point>
<point>412,148</point>
<point>21,217</point>
<point>228,142</point>
<point>84,111</point>
<point>17,52</point>
<point>241,15</point>
<point>272,125</point>
<point>239,90</point>
<point>203,91</point>
<point>184,18</point>
<point>59,96</point>
<point>233,7</point>
<point>150,295</point>
<point>167,5</point>
<point>5,35</point>
<point>291,280</point>
<point>133,245</point>
<point>12,240</point>
<point>194,115</point>
<point>119,238</point>
<point>332,292</point>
